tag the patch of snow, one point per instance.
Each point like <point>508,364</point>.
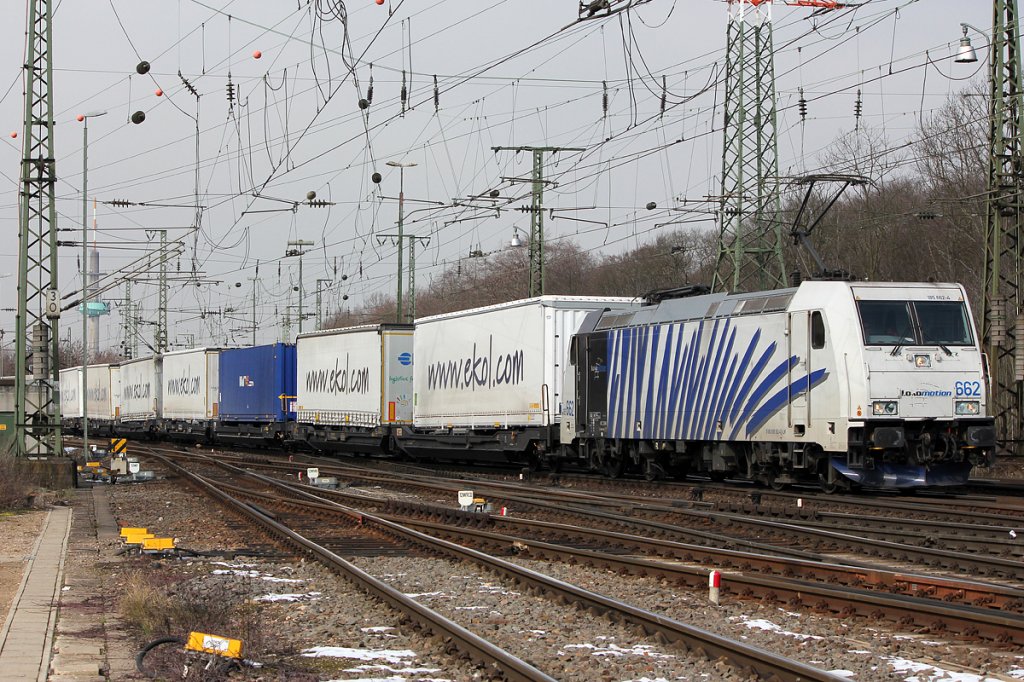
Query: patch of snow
<point>616,650</point>
<point>761,624</point>
<point>842,673</point>
<point>389,655</point>
<point>239,573</point>
<point>1017,673</point>
<point>377,628</point>
<point>469,608</point>
<point>389,669</point>
<point>859,651</point>
<point>925,672</point>
<point>417,595</point>
<point>490,588</point>
<point>242,573</point>
<point>291,596</point>
<point>230,565</point>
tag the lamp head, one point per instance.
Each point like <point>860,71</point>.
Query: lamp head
<point>516,241</point>
<point>965,54</point>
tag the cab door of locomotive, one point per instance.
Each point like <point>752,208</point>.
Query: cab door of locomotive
<point>592,382</point>
<point>799,334</point>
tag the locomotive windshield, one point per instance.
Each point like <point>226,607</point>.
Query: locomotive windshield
<point>922,323</point>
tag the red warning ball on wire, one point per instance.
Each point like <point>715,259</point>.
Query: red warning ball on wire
<point>159,92</point>
<point>256,54</point>
<point>79,118</point>
<point>14,133</point>
<point>380,2</point>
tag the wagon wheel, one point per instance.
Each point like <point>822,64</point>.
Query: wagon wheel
<point>614,465</point>
<point>593,456</point>
<point>651,469</point>
<point>829,487</point>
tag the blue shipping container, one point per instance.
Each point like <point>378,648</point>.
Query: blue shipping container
<point>253,381</point>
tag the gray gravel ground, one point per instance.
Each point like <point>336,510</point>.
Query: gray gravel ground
<point>560,640</point>
<point>564,642</point>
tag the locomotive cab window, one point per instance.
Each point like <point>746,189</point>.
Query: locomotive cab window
<point>817,331</point>
<point>886,323</point>
<point>921,323</point>
<point>943,323</point>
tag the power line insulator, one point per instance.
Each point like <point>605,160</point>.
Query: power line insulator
<point>802,106</point>
<point>604,98</point>
<point>369,88</point>
<point>405,91</point>
<point>664,96</point>
<point>230,87</point>
<point>437,96</point>
<point>858,106</point>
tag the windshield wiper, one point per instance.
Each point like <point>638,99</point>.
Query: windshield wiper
<point>896,350</point>
<point>945,349</point>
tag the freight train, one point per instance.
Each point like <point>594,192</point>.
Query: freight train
<point>839,384</point>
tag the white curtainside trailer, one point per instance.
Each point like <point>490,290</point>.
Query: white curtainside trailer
<point>140,395</point>
<point>71,396</point>
<point>191,391</point>
<point>491,378</point>
<point>353,386</point>
<point>100,393</point>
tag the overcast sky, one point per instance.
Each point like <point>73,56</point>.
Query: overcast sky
<point>509,72</point>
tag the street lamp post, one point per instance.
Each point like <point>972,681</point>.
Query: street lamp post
<point>401,213</point>
<point>84,393</point>
<point>295,249</point>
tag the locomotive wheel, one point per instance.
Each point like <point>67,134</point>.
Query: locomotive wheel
<point>775,484</point>
<point>614,465</point>
<point>651,469</point>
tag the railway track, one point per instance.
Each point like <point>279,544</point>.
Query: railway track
<point>746,659</point>
<point>701,523</point>
<point>845,598</point>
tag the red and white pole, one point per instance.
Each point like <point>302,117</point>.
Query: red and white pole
<point>714,586</point>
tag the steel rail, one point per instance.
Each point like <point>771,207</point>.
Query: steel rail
<point>947,590</point>
<point>968,621</point>
<point>470,644</point>
<point>763,663</point>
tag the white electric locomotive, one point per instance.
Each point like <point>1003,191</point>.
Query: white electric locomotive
<point>842,383</point>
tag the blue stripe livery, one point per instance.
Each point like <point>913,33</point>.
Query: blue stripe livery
<point>666,384</point>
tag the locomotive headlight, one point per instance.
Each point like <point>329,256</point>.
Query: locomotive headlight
<point>967,407</point>
<point>885,408</point>
<point>922,361</point>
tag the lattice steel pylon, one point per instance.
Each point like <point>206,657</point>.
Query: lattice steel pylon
<point>37,379</point>
<point>1002,327</point>
<point>750,229</point>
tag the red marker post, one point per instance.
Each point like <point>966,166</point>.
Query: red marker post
<point>714,586</point>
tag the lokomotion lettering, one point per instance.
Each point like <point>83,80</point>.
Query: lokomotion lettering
<point>478,371</point>
<point>340,379</point>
